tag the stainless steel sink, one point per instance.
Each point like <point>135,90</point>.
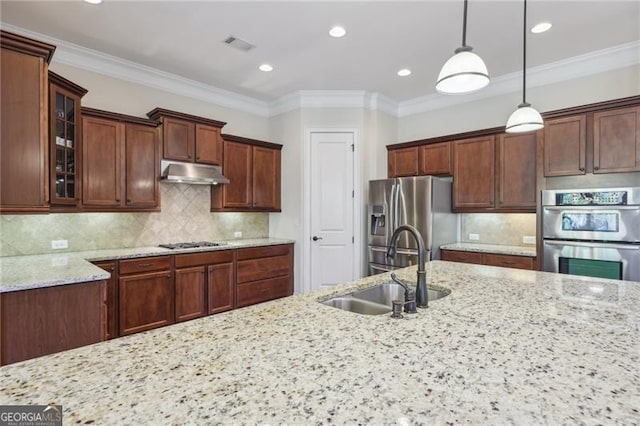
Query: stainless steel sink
<point>388,292</point>
<point>358,306</point>
<point>377,299</point>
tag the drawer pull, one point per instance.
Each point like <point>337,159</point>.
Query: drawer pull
<point>144,265</point>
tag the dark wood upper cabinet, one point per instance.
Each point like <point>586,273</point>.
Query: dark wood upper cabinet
<point>517,171</point>
<point>101,162</point>
<point>188,137</point>
<point>178,139</point>
<point>24,142</point>
<point>266,178</point>
<point>208,144</point>
<point>403,162</point>
<point>254,171</point>
<point>237,168</point>
<point>435,159</point>
<point>142,166</point>
<point>474,173</point>
<point>65,141</point>
<point>565,146</point>
<point>616,141</point>
<point>120,162</point>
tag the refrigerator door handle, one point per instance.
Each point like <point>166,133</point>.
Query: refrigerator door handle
<point>384,250</point>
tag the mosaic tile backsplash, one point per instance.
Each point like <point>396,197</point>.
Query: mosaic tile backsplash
<point>185,216</point>
<point>497,228</point>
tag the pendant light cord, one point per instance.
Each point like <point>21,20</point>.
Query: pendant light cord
<point>464,25</point>
<point>524,55</point>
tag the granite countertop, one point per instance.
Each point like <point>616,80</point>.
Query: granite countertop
<point>492,248</point>
<point>505,347</point>
<point>47,270</point>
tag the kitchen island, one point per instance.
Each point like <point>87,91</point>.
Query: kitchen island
<point>505,347</point>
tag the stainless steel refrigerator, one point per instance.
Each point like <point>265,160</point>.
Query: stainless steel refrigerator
<point>423,202</point>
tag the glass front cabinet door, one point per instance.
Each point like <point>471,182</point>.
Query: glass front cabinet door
<point>65,155</point>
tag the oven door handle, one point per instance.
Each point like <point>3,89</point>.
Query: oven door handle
<point>595,245</point>
<point>574,208</point>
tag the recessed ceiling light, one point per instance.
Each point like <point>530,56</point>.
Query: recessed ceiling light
<point>93,1</point>
<point>541,27</point>
<point>266,67</point>
<point>337,32</point>
<point>404,72</point>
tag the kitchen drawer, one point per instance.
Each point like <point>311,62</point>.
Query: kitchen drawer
<point>145,264</point>
<point>268,251</point>
<point>261,291</point>
<point>508,261</point>
<point>461,256</point>
<point>205,258</point>
<point>262,268</point>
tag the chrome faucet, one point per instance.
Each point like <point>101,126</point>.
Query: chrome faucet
<point>422,296</point>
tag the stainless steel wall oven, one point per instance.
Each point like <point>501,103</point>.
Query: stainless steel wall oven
<point>592,232</point>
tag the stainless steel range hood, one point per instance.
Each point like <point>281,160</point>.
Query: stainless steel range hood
<point>197,174</point>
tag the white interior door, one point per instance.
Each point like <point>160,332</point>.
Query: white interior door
<point>332,208</point>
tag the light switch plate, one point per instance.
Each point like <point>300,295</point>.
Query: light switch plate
<point>474,237</point>
<point>528,239</point>
<point>59,244</point>
<point>237,234</point>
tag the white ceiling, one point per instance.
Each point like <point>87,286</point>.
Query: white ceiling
<point>185,38</point>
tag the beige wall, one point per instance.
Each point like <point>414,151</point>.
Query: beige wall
<point>493,112</point>
<point>185,216</point>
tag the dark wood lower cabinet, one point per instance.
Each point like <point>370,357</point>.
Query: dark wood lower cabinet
<point>490,259</point>
<point>111,298</point>
<point>264,273</point>
<point>190,300</point>
<point>43,321</point>
<point>221,281</point>
<point>146,301</point>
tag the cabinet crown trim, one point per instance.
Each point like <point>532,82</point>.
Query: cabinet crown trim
<point>248,141</point>
<point>27,45</point>
<point>98,113</point>
<point>156,114</point>
<point>59,80</point>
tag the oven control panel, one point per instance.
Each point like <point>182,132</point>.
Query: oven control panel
<point>600,198</point>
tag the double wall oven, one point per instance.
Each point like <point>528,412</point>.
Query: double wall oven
<point>592,232</point>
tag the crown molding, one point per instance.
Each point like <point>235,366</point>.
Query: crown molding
<point>615,57</point>
<point>333,99</point>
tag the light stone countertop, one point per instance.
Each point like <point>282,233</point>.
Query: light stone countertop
<point>506,346</point>
<point>492,248</point>
<point>47,270</point>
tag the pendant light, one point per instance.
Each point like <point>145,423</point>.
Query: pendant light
<point>525,118</point>
<point>464,72</point>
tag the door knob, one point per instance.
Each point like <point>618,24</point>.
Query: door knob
<point>316,238</point>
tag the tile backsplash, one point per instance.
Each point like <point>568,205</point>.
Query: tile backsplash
<point>497,228</point>
<point>185,216</point>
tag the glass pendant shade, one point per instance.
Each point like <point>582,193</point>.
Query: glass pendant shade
<point>464,72</point>
<point>524,119</point>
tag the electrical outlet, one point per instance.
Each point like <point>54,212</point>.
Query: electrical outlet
<point>59,244</point>
<point>528,239</point>
<point>237,234</point>
<point>474,237</point>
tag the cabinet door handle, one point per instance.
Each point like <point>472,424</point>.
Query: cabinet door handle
<point>581,169</point>
<point>117,200</point>
<point>596,168</point>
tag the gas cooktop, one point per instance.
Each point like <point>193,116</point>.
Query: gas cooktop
<point>193,244</point>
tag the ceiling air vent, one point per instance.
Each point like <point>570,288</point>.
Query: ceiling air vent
<point>239,44</point>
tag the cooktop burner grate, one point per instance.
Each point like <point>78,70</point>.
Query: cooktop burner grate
<point>193,244</point>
